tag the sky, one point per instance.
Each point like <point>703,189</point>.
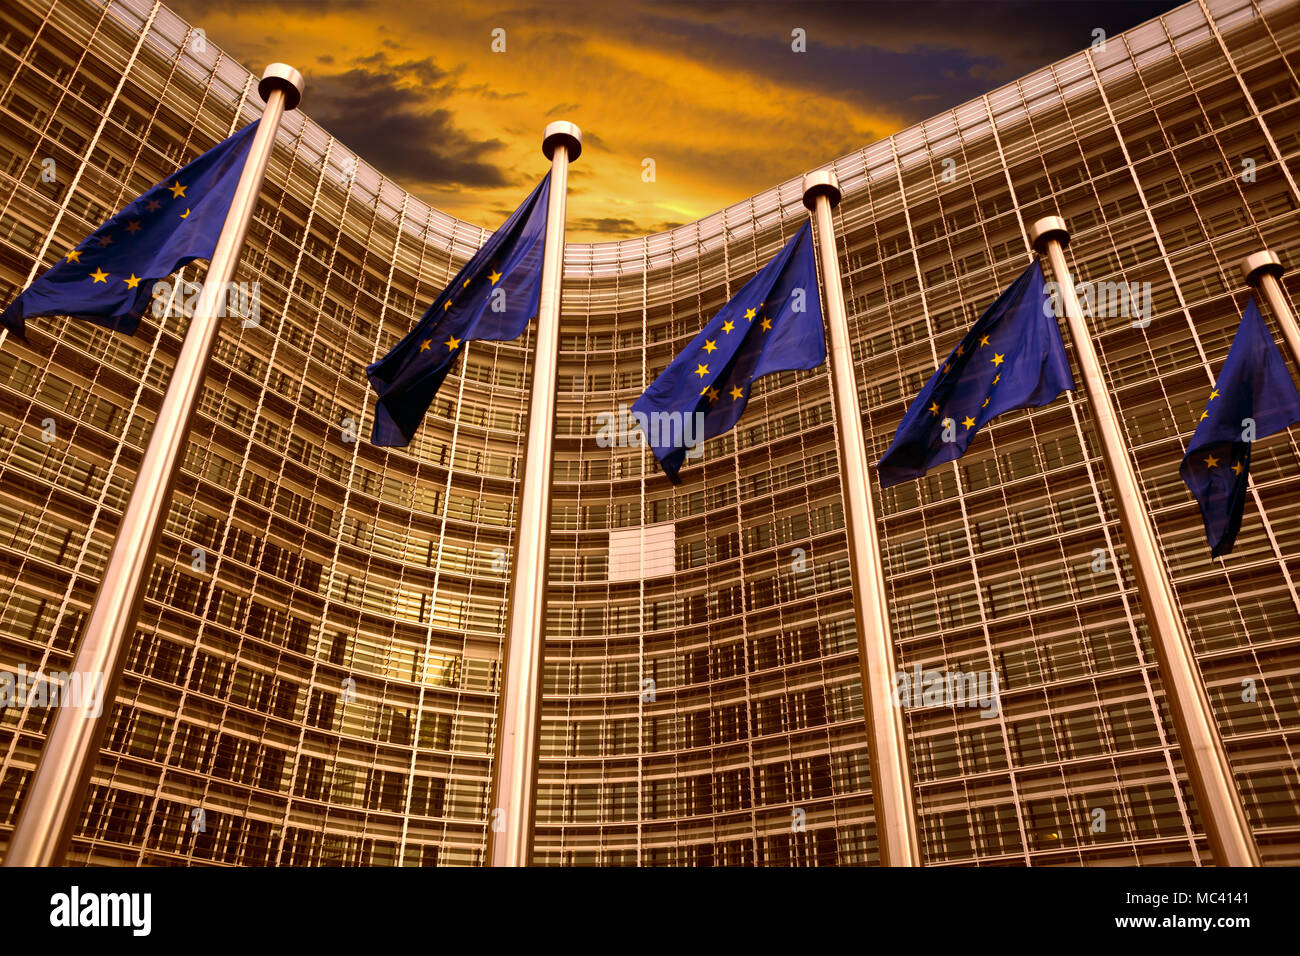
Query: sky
<point>712,92</point>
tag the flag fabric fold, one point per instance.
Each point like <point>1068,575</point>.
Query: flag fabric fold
<point>773,324</point>
<point>493,297</point>
<point>1012,357</point>
<point>1253,397</point>
<point>108,279</point>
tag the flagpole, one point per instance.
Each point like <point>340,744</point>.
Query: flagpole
<point>891,782</point>
<point>51,811</point>
<point>1208,768</point>
<point>1263,270</point>
<point>510,832</point>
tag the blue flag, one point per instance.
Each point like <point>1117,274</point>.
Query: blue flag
<point>1254,397</point>
<point>1012,357</point>
<point>773,324</point>
<point>109,277</point>
<point>493,297</point>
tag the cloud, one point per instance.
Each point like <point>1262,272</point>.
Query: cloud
<point>424,71</point>
<point>490,92</point>
<point>593,140</point>
<point>711,91</point>
<point>385,112</point>
<point>609,227</point>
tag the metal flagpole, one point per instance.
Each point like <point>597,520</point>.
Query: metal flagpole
<point>50,813</point>
<point>1263,270</point>
<point>1202,748</point>
<point>510,838</point>
<point>891,782</point>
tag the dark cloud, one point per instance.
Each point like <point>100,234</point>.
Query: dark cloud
<point>490,92</point>
<point>911,58</point>
<point>422,71</point>
<point>907,58</point>
<point>610,226</point>
<point>606,224</point>
<point>592,140</point>
<point>875,64</point>
<point>386,113</point>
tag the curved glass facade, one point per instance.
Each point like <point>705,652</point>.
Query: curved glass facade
<point>317,664</point>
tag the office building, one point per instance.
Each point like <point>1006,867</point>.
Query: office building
<point>314,676</point>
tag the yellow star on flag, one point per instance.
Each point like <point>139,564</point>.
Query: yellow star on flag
<point>426,345</point>
<point>710,346</point>
<point>1237,469</point>
<point>99,275</point>
<point>997,359</point>
<point>177,190</point>
<point>737,391</point>
<point>452,343</point>
<point>74,255</point>
<point>494,277</point>
<point>934,408</point>
<point>132,282</point>
<point>713,395</point>
<point>767,324</point>
<point>968,422</point>
<point>1211,461</point>
<point>701,370</point>
<point>984,341</point>
<point>728,326</point>
<point>133,226</point>
<point>749,314</point>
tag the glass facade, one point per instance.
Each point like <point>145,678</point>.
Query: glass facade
<point>317,664</point>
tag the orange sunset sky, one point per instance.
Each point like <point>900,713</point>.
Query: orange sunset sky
<point>711,91</point>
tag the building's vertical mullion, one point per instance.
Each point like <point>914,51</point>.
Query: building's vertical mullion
<point>177,497</point>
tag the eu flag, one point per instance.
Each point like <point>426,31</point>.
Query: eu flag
<point>773,324</point>
<point>493,297</point>
<point>109,277</point>
<point>1012,357</point>
<point>1254,397</point>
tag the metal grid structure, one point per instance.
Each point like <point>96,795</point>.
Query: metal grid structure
<point>711,715</point>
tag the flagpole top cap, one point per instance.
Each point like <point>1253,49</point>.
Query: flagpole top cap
<point>1046,229</point>
<point>1259,264</point>
<point>821,182</point>
<point>562,132</point>
<point>281,76</point>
